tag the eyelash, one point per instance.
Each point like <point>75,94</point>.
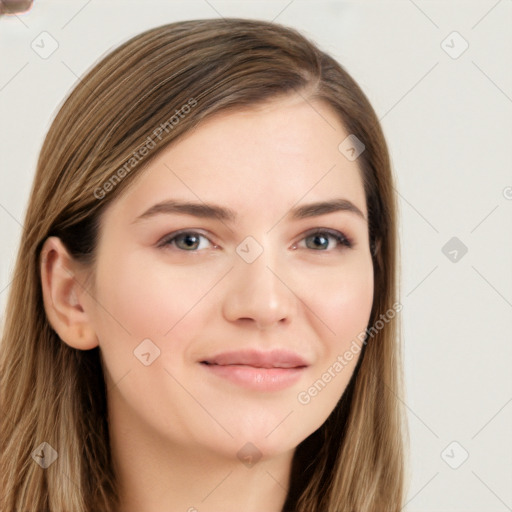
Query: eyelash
<point>343,241</point>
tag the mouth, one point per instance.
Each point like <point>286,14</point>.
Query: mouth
<point>258,359</point>
<point>260,371</point>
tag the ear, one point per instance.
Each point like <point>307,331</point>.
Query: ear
<point>64,296</point>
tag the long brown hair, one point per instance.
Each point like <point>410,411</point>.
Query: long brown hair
<point>150,90</point>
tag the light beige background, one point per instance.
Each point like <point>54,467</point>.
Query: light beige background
<point>448,125</point>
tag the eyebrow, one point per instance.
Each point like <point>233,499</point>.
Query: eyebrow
<point>213,211</point>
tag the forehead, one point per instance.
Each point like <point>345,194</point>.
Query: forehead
<point>261,160</point>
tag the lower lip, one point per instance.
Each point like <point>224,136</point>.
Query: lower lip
<point>259,379</point>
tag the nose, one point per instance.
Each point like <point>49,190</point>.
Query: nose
<point>258,293</point>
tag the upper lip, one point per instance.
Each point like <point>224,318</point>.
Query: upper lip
<point>259,359</point>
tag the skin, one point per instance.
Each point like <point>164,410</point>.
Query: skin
<point>175,428</point>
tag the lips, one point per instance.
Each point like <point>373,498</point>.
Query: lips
<point>258,359</point>
<point>255,370</point>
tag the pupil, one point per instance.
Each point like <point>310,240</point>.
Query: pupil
<point>190,240</point>
<point>320,237</point>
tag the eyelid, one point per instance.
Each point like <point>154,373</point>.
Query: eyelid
<point>330,231</point>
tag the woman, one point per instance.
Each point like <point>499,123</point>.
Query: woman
<point>203,311</point>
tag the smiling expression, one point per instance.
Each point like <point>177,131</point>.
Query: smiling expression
<point>242,255</point>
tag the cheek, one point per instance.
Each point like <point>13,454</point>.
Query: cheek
<point>343,301</point>
<point>342,298</point>
<point>139,301</point>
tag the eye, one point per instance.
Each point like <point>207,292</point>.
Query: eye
<point>188,241</point>
<point>320,239</point>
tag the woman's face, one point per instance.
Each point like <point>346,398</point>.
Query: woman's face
<point>234,331</point>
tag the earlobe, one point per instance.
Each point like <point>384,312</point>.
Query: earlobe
<point>64,296</point>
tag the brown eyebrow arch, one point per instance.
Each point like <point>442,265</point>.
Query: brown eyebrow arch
<point>205,210</point>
